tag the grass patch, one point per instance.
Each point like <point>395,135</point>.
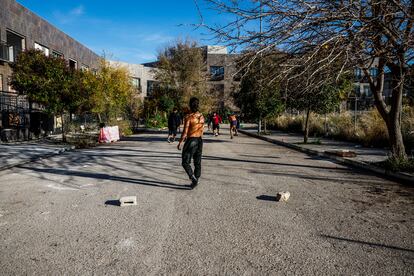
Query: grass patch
<point>369,131</point>
<point>397,165</point>
<point>313,142</point>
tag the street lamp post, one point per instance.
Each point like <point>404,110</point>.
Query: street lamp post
<point>355,113</point>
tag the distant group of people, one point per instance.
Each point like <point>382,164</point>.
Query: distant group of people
<point>192,135</point>
<point>214,120</point>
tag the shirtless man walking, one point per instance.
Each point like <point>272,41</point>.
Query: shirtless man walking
<point>193,146</point>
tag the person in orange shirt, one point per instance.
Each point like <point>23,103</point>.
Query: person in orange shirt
<point>193,146</point>
<point>233,125</point>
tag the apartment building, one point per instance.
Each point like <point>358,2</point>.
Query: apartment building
<point>21,29</point>
<point>223,74</point>
<point>142,76</point>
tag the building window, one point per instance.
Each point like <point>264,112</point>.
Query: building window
<point>373,72</point>
<point>151,86</point>
<point>358,73</point>
<point>72,64</point>
<point>42,48</point>
<point>15,45</point>
<point>4,52</point>
<point>357,90</point>
<point>136,83</point>
<point>56,54</point>
<point>9,87</point>
<point>217,88</point>
<point>367,91</point>
<point>217,72</point>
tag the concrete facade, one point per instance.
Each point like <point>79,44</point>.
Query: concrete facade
<point>145,75</point>
<point>17,20</point>
<point>21,29</point>
<point>223,74</point>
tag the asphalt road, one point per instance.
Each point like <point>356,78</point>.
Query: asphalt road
<point>57,215</point>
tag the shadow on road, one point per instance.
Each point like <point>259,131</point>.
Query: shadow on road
<point>217,158</point>
<point>266,198</point>
<point>104,176</point>
<point>113,202</point>
<point>367,243</point>
<point>164,139</point>
<point>348,179</point>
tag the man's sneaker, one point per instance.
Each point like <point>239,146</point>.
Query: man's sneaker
<point>194,182</point>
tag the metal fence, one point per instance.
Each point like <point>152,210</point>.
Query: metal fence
<point>20,120</point>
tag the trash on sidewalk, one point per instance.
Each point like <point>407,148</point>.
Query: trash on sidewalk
<point>128,200</point>
<point>109,134</point>
<point>342,153</point>
<point>282,196</point>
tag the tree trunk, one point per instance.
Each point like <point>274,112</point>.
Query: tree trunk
<point>259,129</point>
<point>391,116</point>
<point>396,139</point>
<point>393,123</point>
<point>63,128</point>
<point>265,126</point>
<point>306,131</point>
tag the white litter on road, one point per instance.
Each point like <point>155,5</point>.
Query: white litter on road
<point>128,200</point>
<point>282,196</point>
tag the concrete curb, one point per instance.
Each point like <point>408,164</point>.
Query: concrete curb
<point>55,152</point>
<point>400,177</point>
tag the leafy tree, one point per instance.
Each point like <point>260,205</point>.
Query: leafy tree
<point>257,98</point>
<point>181,73</point>
<point>363,34</point>
<point>46,81</point>
<point>110,91</point>
<point>326,101</point>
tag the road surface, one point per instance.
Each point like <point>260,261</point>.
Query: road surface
<point>58,215</point>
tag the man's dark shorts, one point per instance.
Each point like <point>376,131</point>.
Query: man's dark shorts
<point>216,126</point>
<point>172,131</point>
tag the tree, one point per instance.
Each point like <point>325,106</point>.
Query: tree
<point>110,91</point>
<point>258,99</point>
<point>326,100</point>
<point>46,81</point>
<point>181,74</point>
<point>363,34</point>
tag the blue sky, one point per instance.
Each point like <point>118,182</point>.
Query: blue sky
<point>126,30</point>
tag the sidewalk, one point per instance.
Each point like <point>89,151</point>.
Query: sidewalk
<point>364,156</point>
<point>14,154</point>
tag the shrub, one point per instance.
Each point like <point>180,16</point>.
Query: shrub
<point>316,126</point>
<point>372,129</point>
<point>288,123</point>
<point>341,126</point>
<point>81,141</point>
<point>156,121</point>
<point>124,126</point>
<point>395,165</point>
<point>407,121</point>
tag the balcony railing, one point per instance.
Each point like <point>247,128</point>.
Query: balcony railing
<point>13,102</point>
